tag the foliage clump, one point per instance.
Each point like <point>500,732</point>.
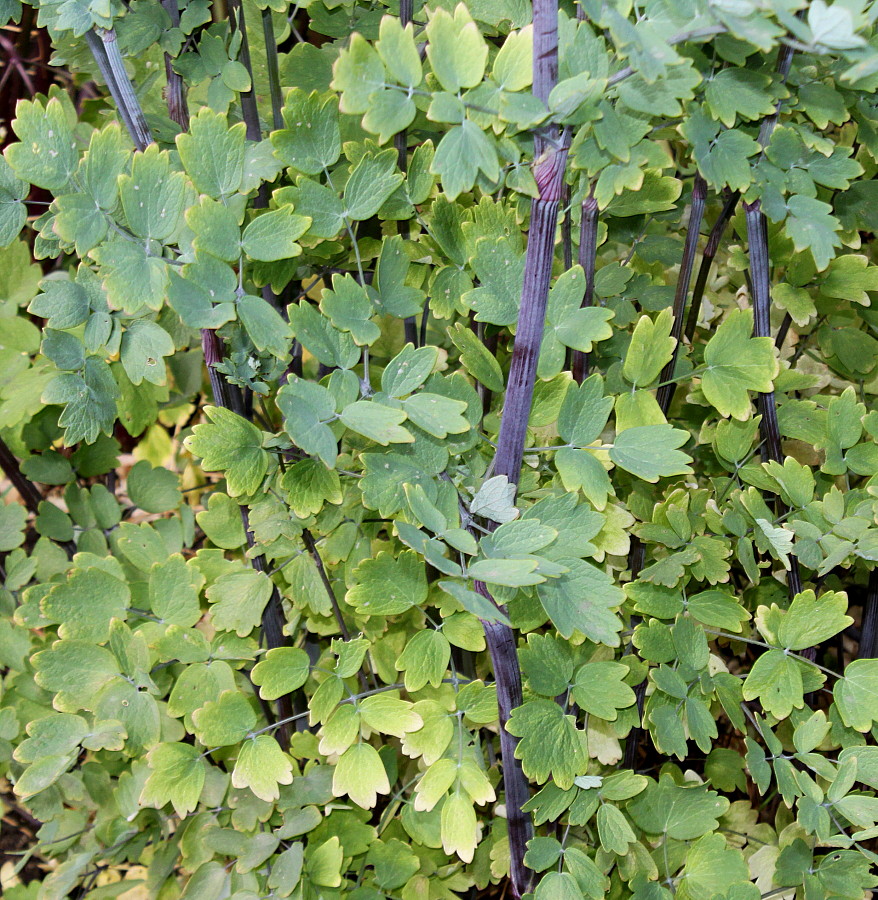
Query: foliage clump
<point>444,451</point>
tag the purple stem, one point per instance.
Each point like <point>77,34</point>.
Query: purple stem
<point>588,248</point>
<point>550,151</point>
<point>869,628</point>
<point>760,276</point>
<point>707,258</point>
<point>690,248</point>
<point>176,90</point>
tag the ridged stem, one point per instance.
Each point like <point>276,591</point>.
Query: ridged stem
<point>869,626</point>
<point>693,231</point>
<point>105,49</point>
<point>760,277</point>
<point>550,151</point>
<point>248,98</point>
<point>710,250</point>
<point>588,248</point>
<point>176,90</point>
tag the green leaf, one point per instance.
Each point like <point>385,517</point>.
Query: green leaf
<point>262,766</point>
<point>437,415</point>
<point>176,777</point>
<point>131,279</point>
<point>358,73</point>
<point>153,490</point>
<point>582,600</point>
<point>495,500</point>
<point>740,92</point>
<point>174,588</point>
<point>650,349</point>
<point>811,620</point>
<point>86,603</point>
<point>226,721</point>
<point>89,401</point>
<point>424,659</point>
<point>682,813</point>
<point>13,518</point>
<point>377,422</point>
<point>600,689</point>
<point>508,572</point>
<point>812,227</point>
<point>232,445</point>
<point>212,153</point>
<point>650,452</point>
<point>47,155</point>
<point>272,235</point>
<point>737,363</point>
<point>395,296</point>
<point>13,212</point>
<point>856,695</point>
<point>558,886</point>
<point>550,744</point>
<point>349,309</point>
<point>456,49</point>
<point>398,51</point>
<point>64,304</point>
<point>74,671</point>
<point>371,182</point>
<point>711,862</point>
<point>408,370</point>
<point>282,671</point>
<point>310,485</point>
<point>216,229</point>
<point>152,195</point>
<point>476,359</point>
<point>584,412</point>
<point>388,585</point>
<point>547,664</point>
<point>221,521</point>
<point>656,194</point>
<point>474,603</point>
<point>613,830</point>
<point>360,774</point>
<point>318,336</point>
<point>311,141</point>
<point>306,408</point>
<point>239,599</point>
<point>144,346</point>
<point>776,679</point>
<point>569,324</point>
<point>463,152</point>
<point>265,326</point>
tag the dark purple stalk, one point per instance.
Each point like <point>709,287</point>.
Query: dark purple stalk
<point>311,547</point>
<point>273,66</point>
<point>707,258</point>
<point>783,331</point>
<point>690,248</point>
<point>636,559</point>
<point>400,142</point>
<point>588,249</point>
<point>105,50</point>
<point>869,626</point>
<point>567,229</point>
<point>27,490</point>
<point>248,98</point>
<point>272,629</point>
<point>507,676</point>
<point>176,90</point>
<point>760,276</point>
<point>550,151</point>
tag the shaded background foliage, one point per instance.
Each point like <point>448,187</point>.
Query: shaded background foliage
<point>440,449</point>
